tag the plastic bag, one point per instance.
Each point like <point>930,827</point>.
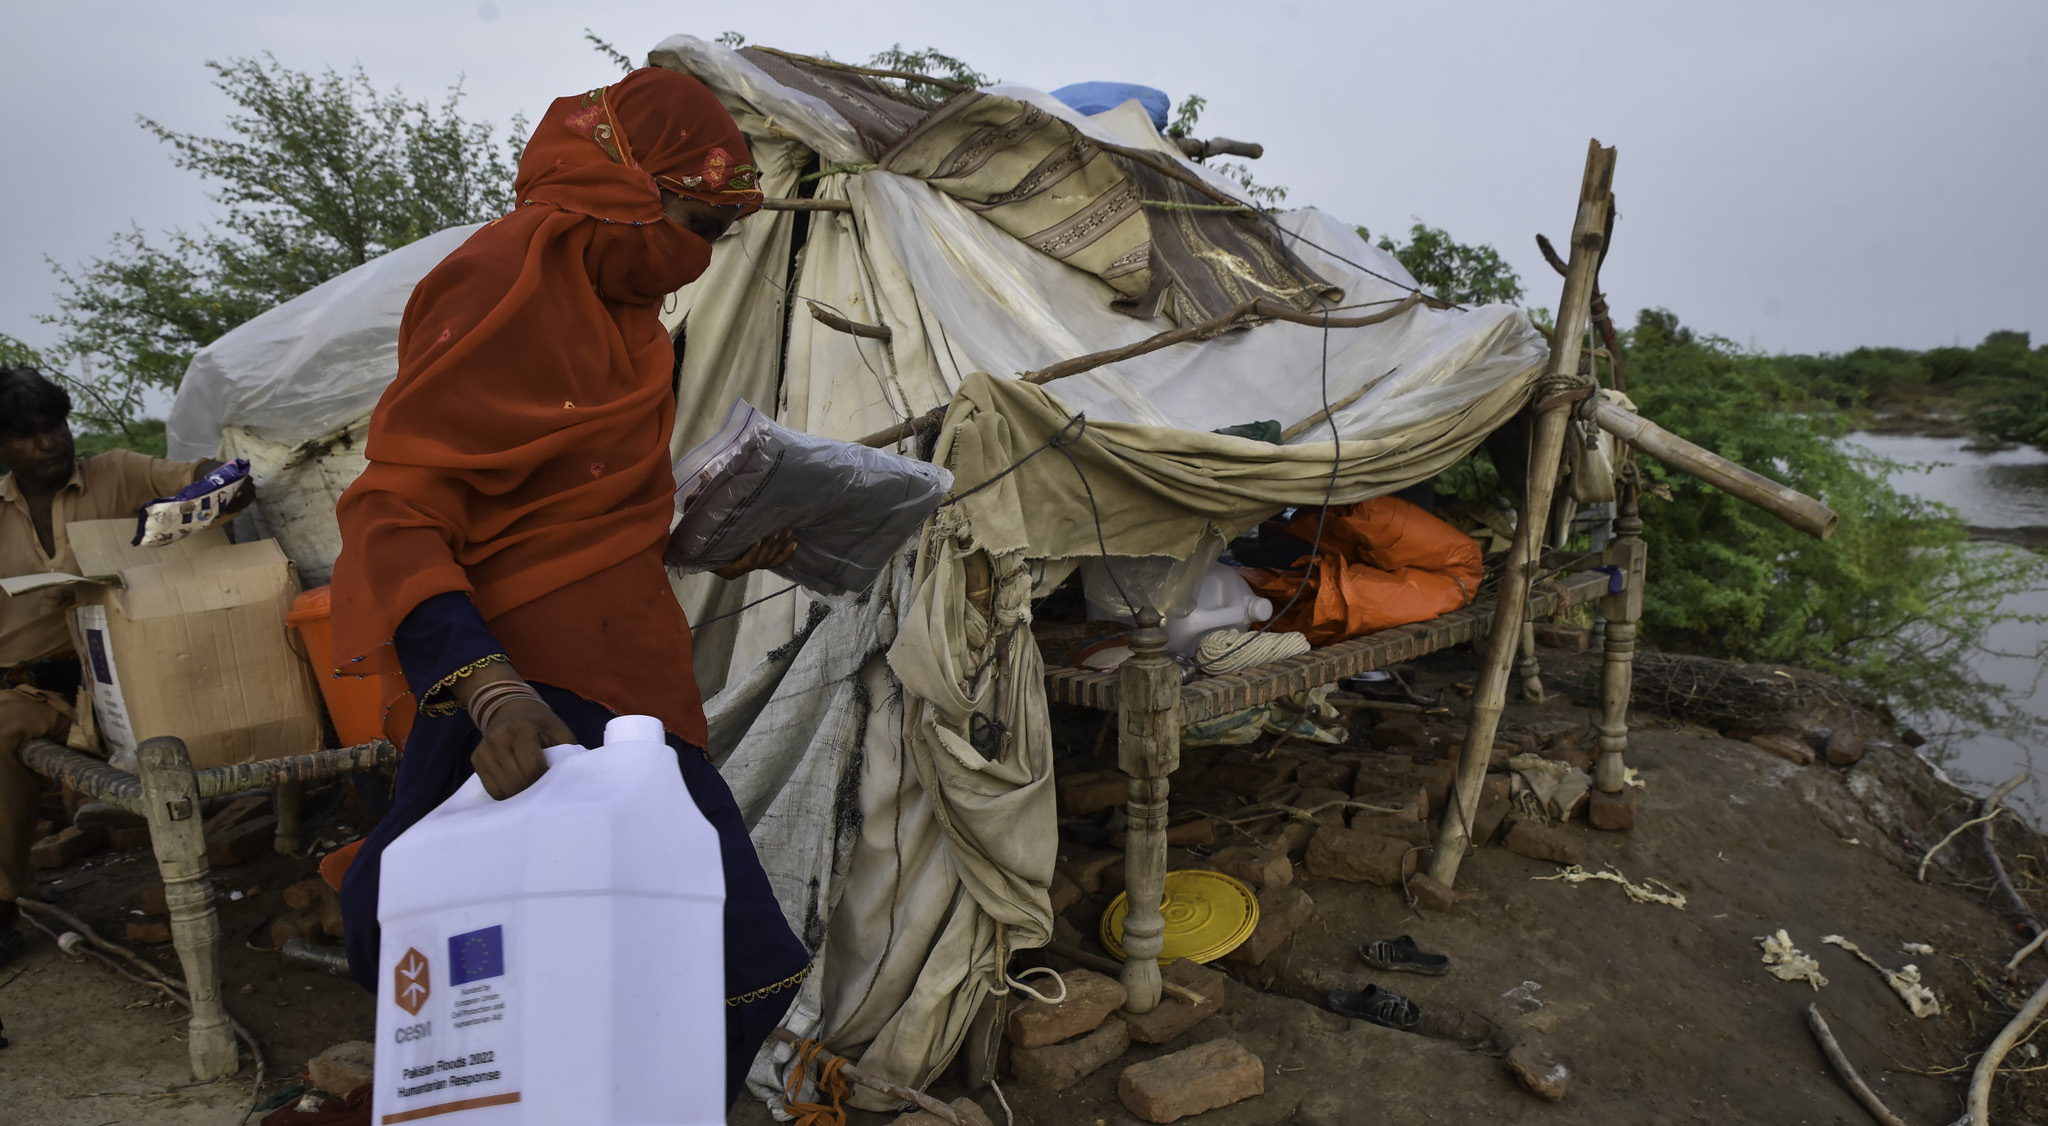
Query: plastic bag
<point>193,508</point>
<point>850,507</point>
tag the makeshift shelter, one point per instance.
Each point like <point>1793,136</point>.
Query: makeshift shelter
<point>891,750</point>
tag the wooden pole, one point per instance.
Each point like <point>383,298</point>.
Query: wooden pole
<point>1556,391</point>
<point>807,205</point>
<point>1818,1025</point>
<point>1627,553</point>
<point>170,802</point>
<point>1786,503</point>
<point>1148,750</point>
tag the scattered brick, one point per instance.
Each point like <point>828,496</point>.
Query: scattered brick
<point>313,894</point>
<point>1308,800</point>
<point>1401,731</point>
<point>344,1067</point>
<point>1348,854</point>
<point>128,839</point>
<point>1251,777</point>
<point>1323,774</point>
<point>148,932</point>
<point>236,812</point>
<point>1563,635</point>
<point>1175,1015</point>
<point>1094,791</point>
<point>1537,841</point>
<point>1090,997</point>
<point>1057,1067</point>
<point>1494,806</point>
<point>296,924</point>
<point>969,1111</point>
<point>1283,910</point>
<point>1260,867</point>
<point>247,839</point>
<point>154,900</point>
<point>1433,895</point>
<point>1537,1069</point>
<point>1190,1081</point>
<point>1065,893</point>
<point>66,847</point>
<point>1291,838</point>
<point>1787,747</point>
<point>1845,747</point>
<point>1615,813</point>
<point>1409,801</point>
<point>1086,868</point>
<point>1398,827</point>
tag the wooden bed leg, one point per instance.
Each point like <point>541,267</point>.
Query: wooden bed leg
<point>1531,672</point>
<point>170,801</point>
<point>286,800</point>
<point>1148,749</point>
<point>1628,552</point>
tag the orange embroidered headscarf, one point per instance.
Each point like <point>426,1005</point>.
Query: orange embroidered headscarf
<point>521,456</point>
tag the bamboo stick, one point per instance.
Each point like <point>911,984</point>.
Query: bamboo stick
<point>872,1082</point>
<point>1786,503</point>
<point>1490,697</point>
<point>807,205</point>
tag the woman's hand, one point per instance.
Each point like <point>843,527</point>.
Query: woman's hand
<point>771,552</point>
<point>509,759</point>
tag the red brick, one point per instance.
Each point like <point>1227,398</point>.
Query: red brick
<point>1260,867</point>
<point>66,847</point>
<point>126,839</point>
<point>1323,774</point>
<point>1615,813</point>
<point>1090,997</point>
<point>344,1067</point>
<point>148,932</point>
<point>1563,635</point>
<point>236,812</point>
<point>1291,838</point>
<point>297,924</point>
<point>1347,854</point>
<point>1057,1067</point>
<point>1094,791</point>
<point>247,839</point>
<point>1283,911</point>
<point>969,1111</point>
<point>154,901</point>
<point>1065,893</point>
<point>1845,747</point>
<point>1190,1081</point>
<point>1409,801</point>
<point>1086,867</point>
<point>1309,800</point>
<point>1434,896</point>
<point>313,894</point>
<point>1175,1015</point>
<point>1494,807</point>
<point>1787,747</point>
<point>1538,841</point>
<point>1389,825</point>
<point>1537,1069</point>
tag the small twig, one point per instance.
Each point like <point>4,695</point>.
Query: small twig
<point>923,1101</point>
<point>1847,1070</point>
<point>2012,968</point>
<point>1977,1111</point>
<point>1991,809</point>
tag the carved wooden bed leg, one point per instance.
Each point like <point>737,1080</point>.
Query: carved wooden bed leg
<point>1628,552</point>
<point>1148,749</point>
<point>170,801</point>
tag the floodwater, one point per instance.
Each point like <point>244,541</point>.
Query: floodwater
<point>2003,489</point>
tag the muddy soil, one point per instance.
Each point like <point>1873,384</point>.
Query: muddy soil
<point>1662,1014</point>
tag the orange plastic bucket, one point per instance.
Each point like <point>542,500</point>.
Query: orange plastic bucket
<point>356,704</point>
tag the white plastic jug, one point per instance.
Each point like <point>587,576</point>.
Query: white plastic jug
<point>557,957</point>
<point>1223,601</point>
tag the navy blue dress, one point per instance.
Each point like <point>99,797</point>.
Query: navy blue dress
<point>764,961</point>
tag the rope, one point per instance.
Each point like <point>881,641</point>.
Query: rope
<point>830,1083</point>
<point>1228,650</point>
<point>1016,982</point>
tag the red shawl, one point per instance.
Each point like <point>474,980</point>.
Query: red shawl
<point>521,456</point>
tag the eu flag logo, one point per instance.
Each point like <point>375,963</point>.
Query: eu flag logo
<point>476,955</point>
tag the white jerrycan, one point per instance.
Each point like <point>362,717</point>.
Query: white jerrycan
<point>557,958</point>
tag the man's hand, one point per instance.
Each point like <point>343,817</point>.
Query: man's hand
<point>771,552</point>
<point>509,759</point>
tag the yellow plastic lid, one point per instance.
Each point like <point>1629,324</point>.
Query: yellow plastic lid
<point>1208,914</point>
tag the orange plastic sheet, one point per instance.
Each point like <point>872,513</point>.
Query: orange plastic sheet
<point>1383,563</point>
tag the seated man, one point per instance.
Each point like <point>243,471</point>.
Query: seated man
<point>48,486</point>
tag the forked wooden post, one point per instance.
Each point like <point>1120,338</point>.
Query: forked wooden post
<point>170,801</point>
<point>1147,749</point>
<point>1628,553</point>
<point>1560,387</point>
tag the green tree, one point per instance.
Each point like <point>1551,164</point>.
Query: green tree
<point>1897,600</point>
<point>1451,270</point>
<point>317,174</point>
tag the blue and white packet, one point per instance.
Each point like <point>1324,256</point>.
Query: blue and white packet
<point>193,508</point>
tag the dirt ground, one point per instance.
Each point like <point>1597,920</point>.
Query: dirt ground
<point>1662,1014</point>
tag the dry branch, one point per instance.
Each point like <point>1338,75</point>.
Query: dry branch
<point>1847,1070</point>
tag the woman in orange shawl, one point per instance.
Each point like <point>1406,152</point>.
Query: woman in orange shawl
<point>503,548</point>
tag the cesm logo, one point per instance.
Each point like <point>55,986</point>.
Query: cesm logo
<point>410,983</point>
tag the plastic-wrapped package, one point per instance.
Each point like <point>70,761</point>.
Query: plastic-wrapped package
<point>849,506</point>
<point>195,507</point>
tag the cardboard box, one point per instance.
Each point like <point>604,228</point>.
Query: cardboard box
<point>190,640</point>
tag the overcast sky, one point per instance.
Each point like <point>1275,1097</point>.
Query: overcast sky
<point>1797,177</point>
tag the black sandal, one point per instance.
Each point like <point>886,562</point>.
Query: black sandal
<point>1383,1007</point>
<point>1399,955</point>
